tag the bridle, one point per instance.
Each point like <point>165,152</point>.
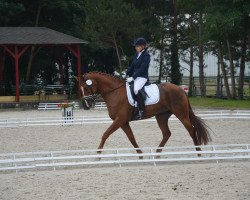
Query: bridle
<point>93,96</point>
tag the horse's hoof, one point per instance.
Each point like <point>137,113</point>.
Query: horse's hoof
<point>97,159</point>
<point>98,153</point>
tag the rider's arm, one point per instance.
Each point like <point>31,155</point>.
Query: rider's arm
<point>143,70</point>
<point>130,70</point>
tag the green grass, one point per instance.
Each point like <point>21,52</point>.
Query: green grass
<point>219,103</point>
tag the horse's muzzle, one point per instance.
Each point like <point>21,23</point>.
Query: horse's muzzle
<point>91,97</point>
<point>90,100</point>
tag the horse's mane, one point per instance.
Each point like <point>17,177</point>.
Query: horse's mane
<point>105,74</point>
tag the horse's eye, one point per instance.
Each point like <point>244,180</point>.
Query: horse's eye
<point>89,82</point>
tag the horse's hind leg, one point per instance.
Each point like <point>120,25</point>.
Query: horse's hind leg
<point>127,129</point>
<point>185,120</point>
<point>162,120</point>
<point>190,128</point>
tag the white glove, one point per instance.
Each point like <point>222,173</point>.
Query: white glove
<point>129,79</point>
<point>123,75</point>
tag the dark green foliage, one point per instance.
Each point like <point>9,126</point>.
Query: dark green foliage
<point>111,25</point>
<point>175,65</point>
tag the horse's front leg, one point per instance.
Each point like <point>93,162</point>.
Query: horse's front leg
<point>112,128</point>
<point>127,129</point>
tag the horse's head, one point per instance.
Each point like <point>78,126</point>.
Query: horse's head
<point>89,90</point>
<point>95,83</point>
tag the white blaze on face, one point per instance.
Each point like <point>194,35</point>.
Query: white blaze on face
<point>84,97</point>
<point>82,91</point>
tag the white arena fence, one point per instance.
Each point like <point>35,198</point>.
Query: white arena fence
<point>15,162</point>
<point>82,120</point>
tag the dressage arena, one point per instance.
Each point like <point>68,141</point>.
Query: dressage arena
<point>206,179</point>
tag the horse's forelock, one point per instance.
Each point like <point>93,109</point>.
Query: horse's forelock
<point>84,77</point>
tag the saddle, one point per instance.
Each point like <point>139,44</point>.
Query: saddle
<point>141,91</point>
<point>152,94</point>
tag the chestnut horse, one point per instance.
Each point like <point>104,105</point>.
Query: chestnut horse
<point>173,100</point>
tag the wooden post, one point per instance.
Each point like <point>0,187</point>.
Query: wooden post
<point>79,70</point>
<point>61,69</point>
<point>16,57</point>
<point>1,73</point>
<point>77,54</point>
<point>1,65</point>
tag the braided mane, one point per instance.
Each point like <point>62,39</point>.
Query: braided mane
<point>105,74</point>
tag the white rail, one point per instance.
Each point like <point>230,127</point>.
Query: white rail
<point>14,162</point>
<point>79,120</point>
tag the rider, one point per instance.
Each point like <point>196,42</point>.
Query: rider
<point>138,72</point>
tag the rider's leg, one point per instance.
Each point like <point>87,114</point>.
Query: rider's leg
<point>138,84</point>
<point>141,105</point>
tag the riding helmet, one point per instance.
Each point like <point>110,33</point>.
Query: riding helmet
<point>140,41</point>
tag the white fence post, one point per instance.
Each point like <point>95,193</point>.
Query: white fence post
<point>215,155</point>
<point>14,158</point>
<point>151,150</point>
<point>51,155</point>
<point>117,152</point>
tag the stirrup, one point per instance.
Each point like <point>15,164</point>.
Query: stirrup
<point>139,115</point>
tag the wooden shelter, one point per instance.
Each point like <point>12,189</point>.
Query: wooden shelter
<point>17,40</point>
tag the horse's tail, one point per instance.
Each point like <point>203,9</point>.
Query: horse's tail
<point>200,127</point>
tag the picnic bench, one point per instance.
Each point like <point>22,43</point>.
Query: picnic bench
<point>46,89</point>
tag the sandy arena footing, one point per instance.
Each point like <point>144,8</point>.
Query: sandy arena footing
<point>223,180</point>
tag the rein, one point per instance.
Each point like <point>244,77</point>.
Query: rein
<point>93,95</point>
<point>114,89</point>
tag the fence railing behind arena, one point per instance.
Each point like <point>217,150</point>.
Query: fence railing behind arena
<point>215,86</point>
<point>81,120</point>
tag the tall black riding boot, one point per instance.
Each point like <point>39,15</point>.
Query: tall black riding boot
<point>140,106</point>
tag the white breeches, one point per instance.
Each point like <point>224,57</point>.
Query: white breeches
<point>139,82</point>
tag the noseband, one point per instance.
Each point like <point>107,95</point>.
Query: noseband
<point>92,97</point>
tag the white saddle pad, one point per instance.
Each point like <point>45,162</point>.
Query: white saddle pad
<point>152,92</point>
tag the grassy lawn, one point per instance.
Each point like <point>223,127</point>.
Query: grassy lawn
<point>219,103</point>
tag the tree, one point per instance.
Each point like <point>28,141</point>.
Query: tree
<point>174,46</point>
<point>188,46</point>
<point>197,10</point>
<point>109,23</point>
<point>226,24</point>
<point>48,10</point>
<point>57,15</point>
<point>201,56</point>
<point>244,35</point>
<point>156,22</point>
<point>9,10</point>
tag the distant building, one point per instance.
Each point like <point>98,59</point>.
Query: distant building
<point>210,62</point>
